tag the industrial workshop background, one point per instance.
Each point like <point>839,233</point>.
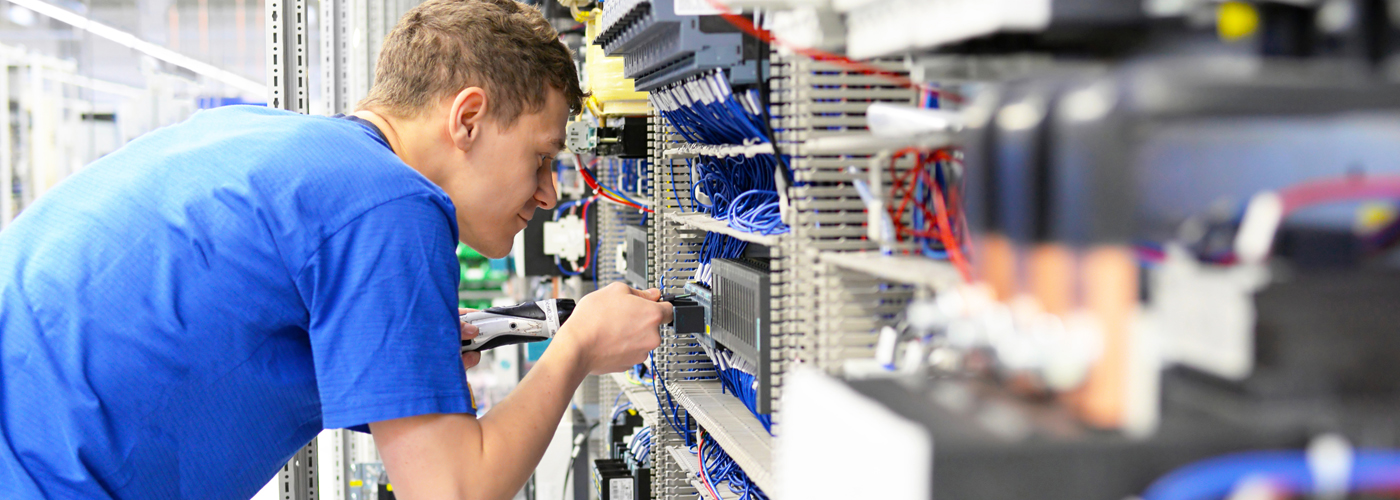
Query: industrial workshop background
<point>953,249</point>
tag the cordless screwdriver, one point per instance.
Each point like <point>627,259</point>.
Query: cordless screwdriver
<point>524,322</point>
<point>532,321</point>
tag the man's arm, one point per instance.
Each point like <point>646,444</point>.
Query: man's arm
<point>445,456</point>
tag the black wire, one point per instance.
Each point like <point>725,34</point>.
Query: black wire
<point>766,98</point>
<point>573,456</point>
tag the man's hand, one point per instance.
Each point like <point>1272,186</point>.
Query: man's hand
<point>615,327</point>
<point>469,331</point>
<point>461,457</point>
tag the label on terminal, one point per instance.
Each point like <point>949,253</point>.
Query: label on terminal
<point>620,489</point>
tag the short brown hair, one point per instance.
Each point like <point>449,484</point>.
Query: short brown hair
<point>443,46</point>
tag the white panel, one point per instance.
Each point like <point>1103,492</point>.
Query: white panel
<point>880,454</point>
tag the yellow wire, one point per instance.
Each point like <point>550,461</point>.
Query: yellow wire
<point>593,106</point>
<point>581,16</point>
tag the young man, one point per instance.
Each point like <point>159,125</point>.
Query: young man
<point>177,319</point>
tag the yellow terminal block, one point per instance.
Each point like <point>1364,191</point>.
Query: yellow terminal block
<point>613,95</point>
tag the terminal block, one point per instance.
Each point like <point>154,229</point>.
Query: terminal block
<point>662,46</point>
<point>740,316</point>
<point>636,256</point>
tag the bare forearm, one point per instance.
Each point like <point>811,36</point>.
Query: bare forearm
<point>460,456</point>
<point>515,433</point>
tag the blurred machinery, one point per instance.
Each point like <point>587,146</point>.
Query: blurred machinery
<point>1074,250</point>
<point>1081,249</point>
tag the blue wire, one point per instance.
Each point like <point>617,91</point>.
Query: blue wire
<point>1216,477</point>
<point>725,181</point>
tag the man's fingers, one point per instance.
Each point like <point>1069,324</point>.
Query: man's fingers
<point>470,331</point>
<point>666,312</point>
<point>470,359</point>
<point>651,294</point>
<point>463,310</point>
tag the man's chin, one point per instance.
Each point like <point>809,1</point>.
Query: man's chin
<point>493,251</point>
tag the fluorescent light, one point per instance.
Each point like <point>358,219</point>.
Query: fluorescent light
<point>21,16</point>
<point>131,41</point>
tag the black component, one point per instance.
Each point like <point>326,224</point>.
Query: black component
<point>1325,333</point>
<point>1318,248</point>
<point>1070,158</point>
<point>539,264</point>
<point>613,480</point>
<point>757,251</point>
<point>625,137</point>
<point>618,432</point>
<point>1035,450</point>
<point>687,316</point>
<point>386,488</point>
<point>641,480</point>
<point>740,316</point>
<point>565,308</point>
<point>637,257</point>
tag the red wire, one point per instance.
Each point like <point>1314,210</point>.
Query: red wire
<point>949,242</point>
<point>1348,188</point>
<point>593,184</point>
<point>700,453</point>
<point>938,216</point>
<point>587,243</point>
<point>816,54</point>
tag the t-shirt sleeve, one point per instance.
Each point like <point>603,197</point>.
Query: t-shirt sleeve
<point>382,297</point>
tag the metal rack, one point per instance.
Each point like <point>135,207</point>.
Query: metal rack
<point>821,316</point>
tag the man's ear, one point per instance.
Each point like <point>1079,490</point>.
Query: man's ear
<point>468,114</point>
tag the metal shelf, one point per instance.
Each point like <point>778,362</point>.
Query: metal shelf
<point>706,223</point>
<point>731,425</point>
<point>922,271</point>
<point>690,464</point>
<point>643,400</point>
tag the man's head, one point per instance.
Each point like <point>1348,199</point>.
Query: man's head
<point>478,92</point>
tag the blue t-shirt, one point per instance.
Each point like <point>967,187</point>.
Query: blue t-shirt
<point>181,316</point>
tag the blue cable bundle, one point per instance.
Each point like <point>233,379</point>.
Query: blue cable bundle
<point>669,411</point>
<point>717,246</point>
<point>640,445</point>
<point>629,175</point>
<point>718,467</point>
<point>741,385</point>
<point>736,376</point>
<point>704,110</point>
<point>1372,470</point>
<point>738,189</point>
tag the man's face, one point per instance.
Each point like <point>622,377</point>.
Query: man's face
<point>508,173</point>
